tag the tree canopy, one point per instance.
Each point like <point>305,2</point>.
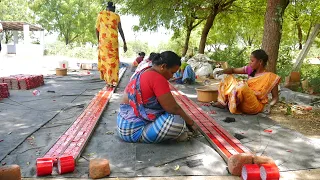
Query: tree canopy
<point>74,20</point>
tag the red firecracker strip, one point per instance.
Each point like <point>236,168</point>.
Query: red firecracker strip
<point>70,144</point>
<point>4,90</point>
<point>225,144</point>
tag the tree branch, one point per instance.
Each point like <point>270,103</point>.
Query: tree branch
<point>199,22</point>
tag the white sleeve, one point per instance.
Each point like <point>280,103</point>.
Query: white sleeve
<point>1,26</point>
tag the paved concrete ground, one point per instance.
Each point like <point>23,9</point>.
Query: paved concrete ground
<point>290,149</point>
<point>312,174</point>
<point>23,113</point>
<point>73,93</point>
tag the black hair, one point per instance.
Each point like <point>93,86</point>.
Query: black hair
<point>142,54</point>
<point>169,58</point>
<point>111,7</point>
<point>152,55</point>
<point>260,55</point>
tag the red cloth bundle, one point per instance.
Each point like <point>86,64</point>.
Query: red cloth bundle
<point>4,90</point>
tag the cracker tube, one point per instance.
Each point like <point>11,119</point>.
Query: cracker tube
<point>44,166</point>
<point>66,164</point>
<point>250,172</point>
<point>269,172</point>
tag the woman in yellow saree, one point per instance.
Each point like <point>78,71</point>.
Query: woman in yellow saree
<point>107,26</point>
<point>249,96</point>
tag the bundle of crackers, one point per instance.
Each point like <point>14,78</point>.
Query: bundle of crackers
<point>23,82</point>
<point>4,90</point>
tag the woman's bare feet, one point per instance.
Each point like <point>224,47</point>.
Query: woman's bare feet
<point>183,137</point>
<point>218,105</point>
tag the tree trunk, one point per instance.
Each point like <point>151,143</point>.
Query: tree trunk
<point>66,40</point>
<point>206,30</point>
<point>299,35</point>
<point>273,30</point>
<point>186,43</point>
<point>306,48</point>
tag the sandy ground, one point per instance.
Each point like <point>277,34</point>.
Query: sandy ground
<point>306,122</point>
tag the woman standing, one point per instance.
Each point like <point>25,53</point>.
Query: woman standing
<point>107,26</point>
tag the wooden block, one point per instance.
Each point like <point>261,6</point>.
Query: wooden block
<point>294,86</point>
<point>236,162</point>
<point>262,160</point>
<point>305,85</point>
<point>295,77</point>
<point>10,172</point>
<point>86,66</point>
<point>99,168</point>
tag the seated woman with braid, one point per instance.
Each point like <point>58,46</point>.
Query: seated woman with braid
<point>149,112</point>
<point>248,97</point>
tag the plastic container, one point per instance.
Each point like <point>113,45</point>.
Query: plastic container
<point>207,94</point>
<point>36,92</point>
<point>61,71</point>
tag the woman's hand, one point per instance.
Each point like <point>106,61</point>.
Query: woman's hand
<point>193,127</point>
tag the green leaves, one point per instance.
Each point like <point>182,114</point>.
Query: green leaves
<point>15,10</point>
<point>73,19</point>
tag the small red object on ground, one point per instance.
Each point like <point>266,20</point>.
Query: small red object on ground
<point>250,172</point>
<point>66,164</point>
<point>36,92</point>
<point>268,130</point>
<point>213,112</point>
<point>269,172</point>
<point>308,108</point>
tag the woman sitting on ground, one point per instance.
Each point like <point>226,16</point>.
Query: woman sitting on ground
<point>185,75</point>
<point>148,112</point>
<point>138,60</point>
<point>146,63</point>
<point>249,97</point>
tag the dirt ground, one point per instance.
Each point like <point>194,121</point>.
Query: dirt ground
<point>301,119</point>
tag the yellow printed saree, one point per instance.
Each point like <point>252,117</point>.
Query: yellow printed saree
<point>108,55</point>
<point>247,97</point>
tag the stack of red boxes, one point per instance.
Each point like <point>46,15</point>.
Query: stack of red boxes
<point>23,82</point>
<point>4,90</point>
